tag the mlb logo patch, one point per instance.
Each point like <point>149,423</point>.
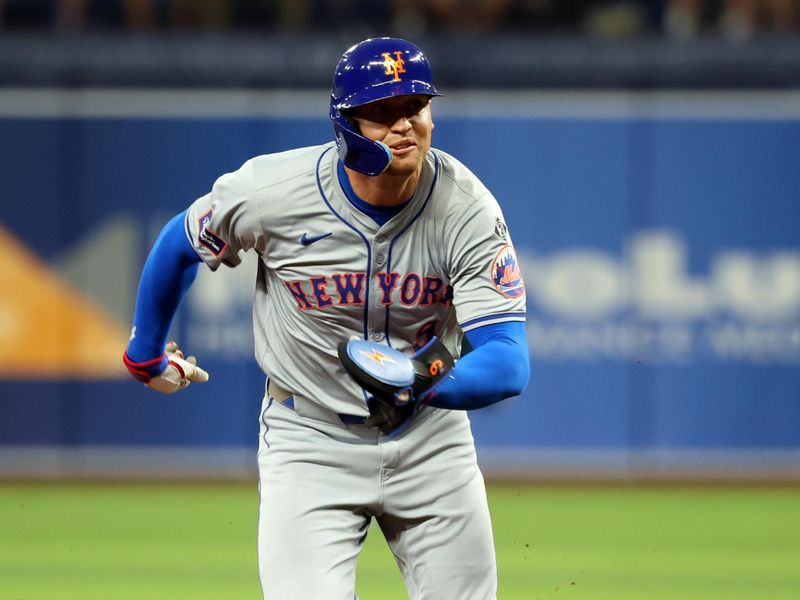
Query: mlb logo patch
<point>206,237</point>
<point>506,275</point>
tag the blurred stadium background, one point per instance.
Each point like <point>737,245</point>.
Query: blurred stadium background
<point>646,155</point>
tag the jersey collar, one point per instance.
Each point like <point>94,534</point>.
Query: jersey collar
<point>342,202</point>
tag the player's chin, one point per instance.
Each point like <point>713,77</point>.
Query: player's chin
<point>405,165</point>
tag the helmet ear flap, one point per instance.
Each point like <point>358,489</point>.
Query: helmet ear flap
<point>357,152</point>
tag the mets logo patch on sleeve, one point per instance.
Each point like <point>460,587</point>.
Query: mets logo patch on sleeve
<point>209,239</point>
<point>506,274</point>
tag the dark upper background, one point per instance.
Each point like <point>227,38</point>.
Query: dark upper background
<point>472,43</point>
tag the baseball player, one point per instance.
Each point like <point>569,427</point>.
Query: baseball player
<point>381,262</point>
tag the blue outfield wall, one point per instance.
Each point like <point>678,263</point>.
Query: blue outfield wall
<point>661,253</point>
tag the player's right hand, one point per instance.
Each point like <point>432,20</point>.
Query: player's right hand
<point>179,373</point>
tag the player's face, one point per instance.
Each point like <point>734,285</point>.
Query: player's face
<point>404,124</point>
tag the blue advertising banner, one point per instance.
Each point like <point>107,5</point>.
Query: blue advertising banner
<point>659,238</point>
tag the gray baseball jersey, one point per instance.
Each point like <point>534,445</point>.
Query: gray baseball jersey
<point>444,265</point>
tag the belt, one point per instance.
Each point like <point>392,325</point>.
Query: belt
<point>311,409</point>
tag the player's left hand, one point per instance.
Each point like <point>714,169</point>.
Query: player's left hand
<point>396,382</point>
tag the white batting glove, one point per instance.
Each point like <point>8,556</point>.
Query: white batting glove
<point>180,371</point>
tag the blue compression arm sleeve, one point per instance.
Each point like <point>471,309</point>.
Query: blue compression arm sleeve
<point>168,272</point>
<point>498,367</point>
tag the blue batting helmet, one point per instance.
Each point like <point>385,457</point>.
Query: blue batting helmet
<point>372,70</point>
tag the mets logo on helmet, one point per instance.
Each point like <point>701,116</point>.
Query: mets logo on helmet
<point>506,274</point>
<point>394,66</point>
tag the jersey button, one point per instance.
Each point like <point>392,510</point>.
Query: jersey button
<point>380,258</point>
<point>380,239</point>
<point>376,336</point>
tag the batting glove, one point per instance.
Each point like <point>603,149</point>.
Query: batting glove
<point>178,373</point>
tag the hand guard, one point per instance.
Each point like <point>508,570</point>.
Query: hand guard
<point>395,381</point>
<point>177,375</point>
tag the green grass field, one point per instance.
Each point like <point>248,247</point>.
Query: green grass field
<point>125,541</point>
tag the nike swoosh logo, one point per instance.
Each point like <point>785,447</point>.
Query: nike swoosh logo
<point>307,241</point>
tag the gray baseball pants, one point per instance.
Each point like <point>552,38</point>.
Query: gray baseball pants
<point>321,483</point>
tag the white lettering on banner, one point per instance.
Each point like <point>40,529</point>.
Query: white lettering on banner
<point>653,280</point>
<point>577,283</point>
<point>662,289</point>
<point>586,304</point>
<point>607,340</point>
<point>767,289</point>
<point>754,343</point>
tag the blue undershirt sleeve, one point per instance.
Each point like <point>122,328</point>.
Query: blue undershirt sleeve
<point>168,273</point>
<point>498,367</point>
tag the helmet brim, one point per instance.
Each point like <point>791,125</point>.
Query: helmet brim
<point>388,89</point>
